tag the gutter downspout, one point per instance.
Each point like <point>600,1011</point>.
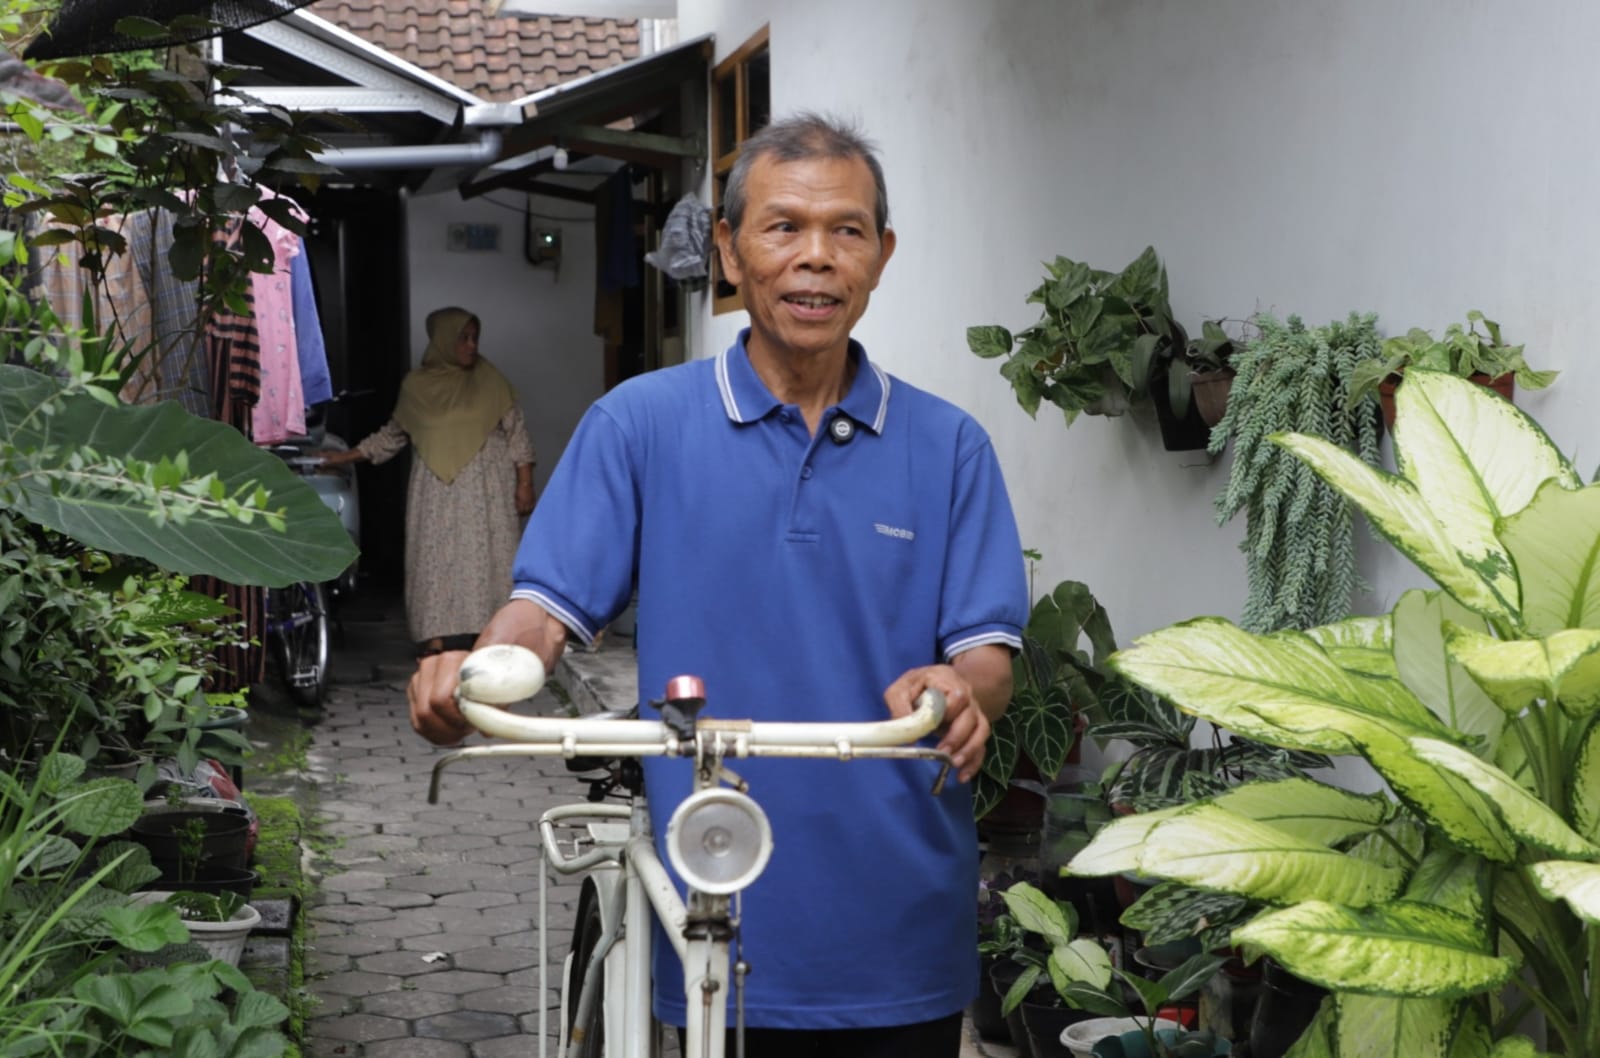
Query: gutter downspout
<point>424,156</point>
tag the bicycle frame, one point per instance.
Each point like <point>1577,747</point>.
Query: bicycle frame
<point>630,879</point>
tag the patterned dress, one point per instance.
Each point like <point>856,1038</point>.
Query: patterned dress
<point>460,537</point>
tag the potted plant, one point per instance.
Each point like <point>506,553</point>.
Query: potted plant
<point>1484,357</point>
<point>1299,550</point>
<point>1464,899</point>
<point>219,923</point>
<point>1081,971</point>
<point>1054,680</point>
<point>1095,342</point>
<point>1210,374</point>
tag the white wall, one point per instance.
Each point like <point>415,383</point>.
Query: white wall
<point>1417,158</point>
<point>537,322</point>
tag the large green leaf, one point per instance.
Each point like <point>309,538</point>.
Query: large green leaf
<point>1453,880</point>
<point>1037,913</point>
<point>1576,883</point>
<point>1311,811</point>
<point>1442,798</point>
<point>1118,847</point>
<point>1433,674</point>
<point>1212,848</point>
<point>1080,960</point>
<point>1281,689</point>
<point>1555,542</point>
<point>1359,644</point>
<point>1474,460</point>
<point>1317,1040</point>
<point>1385,1027</point>
<point>1562,666</point>
<point>1401,948</point>
<point>1396,509</point>
<point>1523,813</point>
<point>1584,794</point>
<point>314,547</point>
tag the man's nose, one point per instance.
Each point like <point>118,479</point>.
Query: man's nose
<point>816,249</point>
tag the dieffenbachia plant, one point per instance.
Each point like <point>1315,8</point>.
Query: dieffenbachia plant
<point>1440,914</point>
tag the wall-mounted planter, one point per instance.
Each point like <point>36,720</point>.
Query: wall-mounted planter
<point>1505,385</point>
<point>1211,390</point>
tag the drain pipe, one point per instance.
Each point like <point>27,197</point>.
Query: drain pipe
<point>423,156</point>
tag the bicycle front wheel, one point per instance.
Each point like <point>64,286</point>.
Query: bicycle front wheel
<point>585,938</point>
<point>304,645</point>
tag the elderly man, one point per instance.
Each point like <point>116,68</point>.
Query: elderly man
<point>819,541</point>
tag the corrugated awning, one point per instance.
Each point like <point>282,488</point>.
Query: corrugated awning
<point>630,113</point>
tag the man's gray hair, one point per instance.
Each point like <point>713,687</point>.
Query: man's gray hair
<point>793,139</point>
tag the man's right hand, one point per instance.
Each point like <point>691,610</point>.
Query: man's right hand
<point>432,690</point>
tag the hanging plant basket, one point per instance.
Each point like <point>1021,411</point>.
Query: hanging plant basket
<point>1505,385</point>
<point>1211,389</point>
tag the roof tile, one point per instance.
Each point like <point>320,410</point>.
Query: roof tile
<point>495,58</point>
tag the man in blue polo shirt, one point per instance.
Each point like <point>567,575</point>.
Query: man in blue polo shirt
<point>819,541</point>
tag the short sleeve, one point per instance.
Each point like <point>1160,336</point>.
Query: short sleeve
<point>580,549</point>
<point>985,597</point>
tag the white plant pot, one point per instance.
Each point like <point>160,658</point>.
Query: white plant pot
<point>221,940</point>
<point>1080,1038</point>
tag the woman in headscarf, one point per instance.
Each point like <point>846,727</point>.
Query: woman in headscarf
<point>470,483</point>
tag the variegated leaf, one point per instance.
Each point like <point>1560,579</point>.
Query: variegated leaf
<point>1396,509</point>
<point>1081,960</point>
<point>1475,459</point>
<point>1359,644</point>
<point>1037,913</point>
<point>1117,848</point>
<point>1584,794</point>
<point>1398,949</point>
<point>1212,848</point>
<point>1453,880</point>
<point>1471,1036</point>
<point>1523,813</point>
<point>1400,844</point>
<point>1516,1047</point>
<point>1280,689</point>
<point>1576,883</point>
<point>1386,1027</point>
<point>1317,1040</point>
<point>1310,810</point>
<point>1428,669</point>
<point>1555,542</point>
<point>1443,799</point>
<point>1563,666</point>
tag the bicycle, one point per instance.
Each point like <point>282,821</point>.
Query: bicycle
<point>718,840</point>
<point>296,630</point>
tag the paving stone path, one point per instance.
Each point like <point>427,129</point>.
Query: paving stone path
<point>424,941</point>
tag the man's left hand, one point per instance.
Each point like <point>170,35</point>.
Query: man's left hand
<point>966,728</point>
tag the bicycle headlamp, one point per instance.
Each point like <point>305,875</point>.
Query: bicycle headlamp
<point>719,841</point>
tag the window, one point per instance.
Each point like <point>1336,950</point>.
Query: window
<point>741,105</point>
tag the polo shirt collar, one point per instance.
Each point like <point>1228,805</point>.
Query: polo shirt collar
<point>746,398</point>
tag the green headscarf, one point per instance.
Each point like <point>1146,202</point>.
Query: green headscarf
<point>449,410</point>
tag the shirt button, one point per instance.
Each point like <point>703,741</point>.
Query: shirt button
<point>785,417</point>
<point>805,472</point>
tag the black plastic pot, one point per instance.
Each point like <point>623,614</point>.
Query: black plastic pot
<point>1187,434</point>
<point>987,1020</point>
<point>1284,1009</point>
<point>1044,1022</point>
<point>225,844</point>
<point>211,880</point>
<point>1003,975</point>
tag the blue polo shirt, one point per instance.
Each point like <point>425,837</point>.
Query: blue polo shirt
<point>800,576</point>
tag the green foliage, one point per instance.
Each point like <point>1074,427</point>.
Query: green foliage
<point>69,935</point>
<point>1443,910</point>
<point>1462,351</point>
<point>1097,339</point>
<point>1053,678</point>
<point>1299,548</point>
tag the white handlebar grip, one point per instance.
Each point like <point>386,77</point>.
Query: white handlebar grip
<point>933,700</point>
<point>501,674</point>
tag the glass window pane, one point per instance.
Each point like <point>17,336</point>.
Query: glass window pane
<point>725,111</point>
<point>760,81</point>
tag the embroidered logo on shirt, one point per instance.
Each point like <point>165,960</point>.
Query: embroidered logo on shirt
<point>897,533</point>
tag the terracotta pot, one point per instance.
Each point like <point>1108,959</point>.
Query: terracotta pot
<point>1211,389</point>
<point>1505,385</point>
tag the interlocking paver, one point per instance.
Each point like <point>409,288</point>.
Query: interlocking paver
<point>466,1025</point>
<point>352,943</point>
<point>503,1000</point>
<point>356,983</point>
<point>457,982</point>
<point>417,1048</point>
<point>410,1003</point>
<point>497,960</point>
<point>478,898</point>
<point>361,1028</point>
<point>397,898</point>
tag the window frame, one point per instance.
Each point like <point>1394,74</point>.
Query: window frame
<point>735,67</point>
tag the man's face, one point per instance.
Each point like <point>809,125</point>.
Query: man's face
<point>467,345</point>
<point>808,255</point>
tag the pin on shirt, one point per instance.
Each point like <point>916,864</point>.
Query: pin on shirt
<point>841,429</point>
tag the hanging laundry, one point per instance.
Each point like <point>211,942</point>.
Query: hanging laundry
<point>177,357</point>
<point>281,412</point>
<point>315,382</point>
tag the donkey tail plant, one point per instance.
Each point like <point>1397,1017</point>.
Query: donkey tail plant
<point>1441,914</point>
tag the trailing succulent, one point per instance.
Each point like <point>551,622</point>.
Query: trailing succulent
<point>1299,547</point>
<point>1442,912</point>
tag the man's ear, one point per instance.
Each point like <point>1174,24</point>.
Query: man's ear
<point>730,258</point>
<point>888,241</point>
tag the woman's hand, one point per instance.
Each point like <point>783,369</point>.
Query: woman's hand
<point>524,498</point>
